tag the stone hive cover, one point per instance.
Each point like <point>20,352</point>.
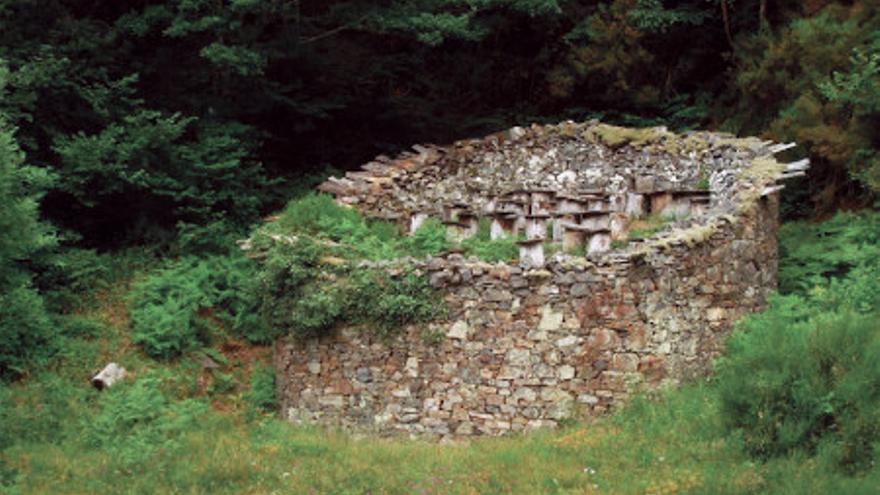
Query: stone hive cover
<point>528,344</point>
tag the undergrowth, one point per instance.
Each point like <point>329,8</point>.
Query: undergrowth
<point>792,408</point>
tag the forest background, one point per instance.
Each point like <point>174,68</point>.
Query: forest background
<point>140,139</point>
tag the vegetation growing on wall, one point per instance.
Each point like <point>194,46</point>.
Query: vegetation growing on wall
<point>310,279</point>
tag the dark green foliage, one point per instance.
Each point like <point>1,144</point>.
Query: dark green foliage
<point>812,253</point>
<point>390,302</point>
<point>178,308</point>
<point>261,395</point>
<point>25,330</point>
<point>136,420</point>
<point>803,375</point>
<point>813,81</point>
<point>811,384</point>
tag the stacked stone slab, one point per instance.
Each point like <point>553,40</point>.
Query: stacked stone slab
<point>526,345</point>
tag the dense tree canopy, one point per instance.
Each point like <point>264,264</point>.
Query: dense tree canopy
<point>159,116</point>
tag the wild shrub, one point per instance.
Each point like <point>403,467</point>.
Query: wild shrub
<point>310,281</point>
<point>389,302</point>
<point>261,395</point>
<point>314,299</point>
<point>27,334</point>
<point>803,376</point>
<point>135,420</point>
<point>176,309</point>
<point>795,385</point>
<point>812,253</point>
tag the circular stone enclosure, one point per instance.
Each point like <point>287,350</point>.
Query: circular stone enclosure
<point>639,249</point>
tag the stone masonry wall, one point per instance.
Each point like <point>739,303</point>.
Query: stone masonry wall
<point>525,348</point>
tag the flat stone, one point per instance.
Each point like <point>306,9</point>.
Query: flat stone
<point>580,290</point>
<point>336,401</point>
<point>525,394</point>
<point>495,295</point>
<point>465,428</point>
<point>412,367</point>
<point>550,320</point>
<point>363,374</point>
<point>314,367</point>
<point>566,372</point>
<point>588,399</point>
<point>537,335</point>
<point>401,393</point>
<point>459,330</point>
<point>716,314</point>
<point>518,357</point>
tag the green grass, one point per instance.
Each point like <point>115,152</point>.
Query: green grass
<point>671,446</point>
<point>176,427</point>
<point>650,225</point>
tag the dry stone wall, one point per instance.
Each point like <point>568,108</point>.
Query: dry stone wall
<point>530,344</point>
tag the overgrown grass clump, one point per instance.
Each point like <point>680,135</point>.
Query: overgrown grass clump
<point>648,226</point>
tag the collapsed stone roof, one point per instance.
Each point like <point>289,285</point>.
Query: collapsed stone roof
<point>629,168</point>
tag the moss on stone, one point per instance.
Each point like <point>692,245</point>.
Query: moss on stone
<point>616,137</point>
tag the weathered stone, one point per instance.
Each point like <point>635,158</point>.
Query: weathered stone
<point>494,295</point>
<point>412,367</point>
<point>566,372</point>
<point>524,394</point>
<point>459,330</point>
<point>363,374</point>
<point>550,320</point>
<point>579,290</point>
<point>336,401</point>
<point>518,357</point>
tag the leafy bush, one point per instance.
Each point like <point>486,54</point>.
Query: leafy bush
<point>808,383</point>
<point>803,376</point>
<point>391,302</point>
<point>176,309</point>
<point>135,420</point>
<point>310,300</point>
<point>261,396</point>
<point>812,253</point>
<point>26,331</point>
<point>309,282</point>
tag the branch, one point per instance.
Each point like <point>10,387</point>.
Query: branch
<point>726,19</point>
<point>331,32</point>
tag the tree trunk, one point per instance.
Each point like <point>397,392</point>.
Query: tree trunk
<point>726,18</point>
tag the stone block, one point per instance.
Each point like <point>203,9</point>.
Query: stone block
<point>550,320</point>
